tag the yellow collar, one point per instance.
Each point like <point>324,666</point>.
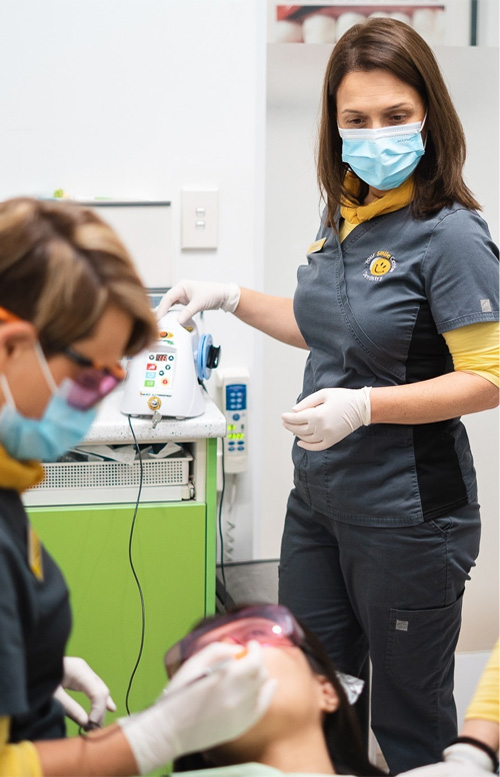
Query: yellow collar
<point>394,199</point>
<point>19,475</point>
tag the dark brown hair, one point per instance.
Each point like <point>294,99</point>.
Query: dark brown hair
<point>61,266</point>
<point>345,744</point>
<point>391,45</point>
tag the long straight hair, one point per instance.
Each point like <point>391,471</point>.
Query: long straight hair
<point>343,738</point>
<point>391,45</point>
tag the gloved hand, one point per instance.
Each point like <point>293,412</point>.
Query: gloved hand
<point>327,416</point>
<point>463,753</point>
<point>197,714</point>
<point>447,769</point>
<point>78,676</point>
<point>199,295</point>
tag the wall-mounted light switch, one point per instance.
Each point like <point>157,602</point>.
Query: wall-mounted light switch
<point>199,218</point>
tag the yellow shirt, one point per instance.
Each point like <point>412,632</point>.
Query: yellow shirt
<point>20,760</point>
<point>485,702</point>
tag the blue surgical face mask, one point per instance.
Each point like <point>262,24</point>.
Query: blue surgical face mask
<point>44,439</point>
<point>383,158</point>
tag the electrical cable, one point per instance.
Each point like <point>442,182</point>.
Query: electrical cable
<point>131,562</point>
<point>221,535</point>
<point>230,521</point>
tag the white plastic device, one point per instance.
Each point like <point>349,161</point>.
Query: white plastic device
<point>233,401</point>
<point>164,379</point>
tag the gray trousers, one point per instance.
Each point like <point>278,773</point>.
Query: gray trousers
<point>395,595</point>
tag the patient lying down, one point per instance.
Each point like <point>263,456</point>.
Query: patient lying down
<point>309,727</point>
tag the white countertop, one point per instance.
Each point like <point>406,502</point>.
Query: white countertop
<point>112,427</point>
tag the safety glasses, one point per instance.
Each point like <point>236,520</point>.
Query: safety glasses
<point>7,316</point>
<point>269,624</point>
<point>92,382</point>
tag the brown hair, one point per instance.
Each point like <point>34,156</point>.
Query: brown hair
<point>61,266</point>
<point>391,45</point>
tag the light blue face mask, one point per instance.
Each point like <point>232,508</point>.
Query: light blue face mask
<point>44,439</point>
<point>384,158</point>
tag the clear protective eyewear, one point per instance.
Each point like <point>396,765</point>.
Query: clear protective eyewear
<point>92,382</point>
<point>271,625</point>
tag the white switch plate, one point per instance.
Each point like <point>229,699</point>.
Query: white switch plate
<point>199,219</point>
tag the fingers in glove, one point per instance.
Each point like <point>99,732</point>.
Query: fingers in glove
<point>71,707</point>
<point>297,423</point>
<point>100,702</point>
<point>176,294</point>
<point>294,419</point>
<point>165,304</point>
<point>320,445</point>
<point>266,695</point>
<point>187,313</point>
<point>79,676</point>
<point>195,666</point>
<point>313,400</point>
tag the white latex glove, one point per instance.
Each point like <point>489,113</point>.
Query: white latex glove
<point>448,769</point>
<point>78,676</point>
<point>197,714</point>
<point>199,295</point>
<point>327,416</point>
<point>461,752</point>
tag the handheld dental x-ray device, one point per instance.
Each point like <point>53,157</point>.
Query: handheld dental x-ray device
<point>166,378</point>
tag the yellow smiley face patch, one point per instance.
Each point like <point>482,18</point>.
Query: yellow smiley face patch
<point>378,265</point>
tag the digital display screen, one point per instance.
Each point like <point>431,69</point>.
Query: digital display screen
<point>161,357</point>
<point>235,436</point>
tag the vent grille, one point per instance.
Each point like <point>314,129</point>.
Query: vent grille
<point>100,474</point>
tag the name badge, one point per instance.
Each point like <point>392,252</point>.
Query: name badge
<point>35,554</point>
<point>316,246</point>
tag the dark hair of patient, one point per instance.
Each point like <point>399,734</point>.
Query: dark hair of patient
<point>343,737</point>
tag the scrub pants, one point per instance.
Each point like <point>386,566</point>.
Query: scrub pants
<point>395,595</point>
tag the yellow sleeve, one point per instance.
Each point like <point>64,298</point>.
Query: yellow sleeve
<point>485,702</point>
<point>474,348</point>
<point>19,760</point>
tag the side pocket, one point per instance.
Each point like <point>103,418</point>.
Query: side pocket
<point>299,457</point>
<point>421,645</point>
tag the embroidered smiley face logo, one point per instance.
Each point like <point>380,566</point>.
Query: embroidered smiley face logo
<point>379,264</point>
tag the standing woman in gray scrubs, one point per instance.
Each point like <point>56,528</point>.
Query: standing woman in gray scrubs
<point>397,306</point>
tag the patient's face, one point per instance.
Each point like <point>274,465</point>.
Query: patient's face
<point>299,704</point>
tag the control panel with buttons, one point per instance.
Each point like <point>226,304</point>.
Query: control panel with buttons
<point>234,405</point>
<point>159,371</point>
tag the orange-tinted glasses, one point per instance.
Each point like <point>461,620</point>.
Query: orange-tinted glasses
<point>269,624</point>
<point>92,383</point>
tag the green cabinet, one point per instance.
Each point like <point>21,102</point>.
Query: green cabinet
<point>172,547</point>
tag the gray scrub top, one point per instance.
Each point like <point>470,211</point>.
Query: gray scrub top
<point>372,311</point>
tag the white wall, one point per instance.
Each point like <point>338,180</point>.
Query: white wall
<point>137,99</point>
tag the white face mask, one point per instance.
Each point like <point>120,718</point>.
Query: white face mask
<point>385,157</point>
